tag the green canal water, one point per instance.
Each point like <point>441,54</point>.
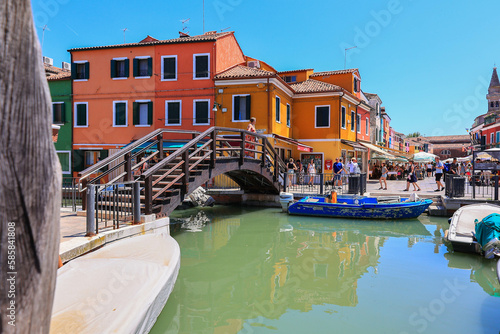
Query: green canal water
<point>255,270</point>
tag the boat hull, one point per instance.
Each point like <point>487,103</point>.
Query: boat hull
<point>403,210</point>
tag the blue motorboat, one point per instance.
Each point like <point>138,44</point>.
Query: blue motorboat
<point>360,207</point>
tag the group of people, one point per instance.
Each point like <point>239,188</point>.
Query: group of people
<point>339,170</point>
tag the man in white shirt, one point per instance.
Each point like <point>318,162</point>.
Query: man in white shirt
<point>353,167</point>
<point>439,174</point>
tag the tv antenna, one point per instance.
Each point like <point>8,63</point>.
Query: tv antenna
<point>43,34</point>
<point>225,29</point>
<point>125,29</point>
<point>184,26</point>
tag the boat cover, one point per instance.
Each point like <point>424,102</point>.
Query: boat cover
<point>120,288</point>
<point>488,229</point>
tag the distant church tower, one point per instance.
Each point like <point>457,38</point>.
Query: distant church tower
<point>493,96</point>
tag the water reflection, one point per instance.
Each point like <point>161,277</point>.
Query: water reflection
<point>251,263</point>
<point>482,271</point>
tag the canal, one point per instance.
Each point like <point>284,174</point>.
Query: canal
<point>256,270</point>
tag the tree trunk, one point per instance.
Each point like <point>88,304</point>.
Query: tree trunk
<point>30,178</point>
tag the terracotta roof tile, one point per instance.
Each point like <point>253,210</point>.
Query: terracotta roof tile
<point>320,74</point>
<point>191,39</point>
<point>291,71</point>
<point>55,73</point>
<point>241,71</point>
<point>314,86</point>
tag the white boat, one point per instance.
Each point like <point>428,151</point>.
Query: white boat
<point>121,288</point>
<point>462,226</point>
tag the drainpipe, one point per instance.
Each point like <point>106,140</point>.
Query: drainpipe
<point>269,109</point>
<point>340,123</point>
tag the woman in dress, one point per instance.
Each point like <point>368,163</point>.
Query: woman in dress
<point>383,177</point>
<point>249,140</point>
<point>291,168</point>
<point>412,178</point>
<point>311,170</point>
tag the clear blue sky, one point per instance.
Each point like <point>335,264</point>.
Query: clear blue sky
<point>429,61</point>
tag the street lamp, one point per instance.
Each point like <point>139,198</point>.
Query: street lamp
<point>345,55</point>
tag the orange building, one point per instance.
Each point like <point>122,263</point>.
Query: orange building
<point>123,92</point>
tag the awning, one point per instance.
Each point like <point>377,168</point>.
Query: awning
<point>166,145</point>
<point>355,146</point>
<point>300,146</point>
<point>374,148</point>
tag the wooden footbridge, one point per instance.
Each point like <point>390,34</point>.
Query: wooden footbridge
<point>247,158</point>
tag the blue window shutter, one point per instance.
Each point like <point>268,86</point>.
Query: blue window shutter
<point>73,71</point>
<point>236,111</point>
<point>135,70</point>
<point>135,115</point>
<point>150,67</point>
<point>87,67</point>
<point>248,100</point>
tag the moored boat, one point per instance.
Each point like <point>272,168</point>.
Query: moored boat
<point>360,207</point>
<point>461,233</point>
<point>121,288</point>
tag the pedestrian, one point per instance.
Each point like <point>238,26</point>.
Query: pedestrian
<point>454,167</point>
<point>249,140</point>
<point>338,168</point>
<point>412,178</point>
<point>383,177</point>
<point>311,170</point>
<point>300,172</point>
<point>291,168</point>
<point>353,167</point>
<point>439,174</point>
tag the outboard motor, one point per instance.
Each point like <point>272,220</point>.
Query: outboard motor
<point>285,200</point>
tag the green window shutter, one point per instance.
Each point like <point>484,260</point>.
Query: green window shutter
<point>150,113</point>
<point>135,67</point>
<point>136,113</point>
<point>248,107</point>
<point>63,113</point>
<point>120,117</point>
<point>87,67</point>
<point>127,68</point>
<point>236,111</point>
<point>81,114</point>
<point>113,69</point>
<point>150,67</point>
<point>73,71</point>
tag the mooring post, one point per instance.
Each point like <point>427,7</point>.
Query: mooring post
<point>90,210</point>
<point>137,202</point>
<point>160,146</point>
<point>321,183</point>
<point>148,195</point>
<point>496,187</point>
<point>128,167</point>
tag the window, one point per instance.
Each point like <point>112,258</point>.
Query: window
<point>143,113</point>
<point>81,114</point>
<point>278,109</point>
<point>80,70</point>
<point>491,104</point>
<point>65,160</point>
<point>58,113</point>
<point>173,112</point>
<point>352,121</point>
<point>445,152</point>
<point>498,137</point>
<point>358,123</point>
<point>201,68</point>
<point>322,116</point>
<point>241,108</point>
<point>91,158</point>
<point>120,68</point>
<point>492,138</point>
<point>201,112</point>
<point>288,115</point>
<point>290,78</point>
<point>343,116</point>
<point>119,113</point>
<point>356,81</point>
<point>168,68</point>
<point>496,104</point>
<point>367,126</point>
<point>143,67</point>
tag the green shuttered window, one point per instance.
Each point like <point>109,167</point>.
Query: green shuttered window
<point>278,109</point>
<point>58,113</point>
<point>81,114</point>
<point>322,117</point>
<point>242,107</point>
<point>201,65</point>
<point>120,114</point>
<point>288,115</point>
<point>173,113</point>
<point>120,68</point>
<point>169,66</point>
<point>143,67</point>
<point>80,71</point>
<point>143,113</point>
<point>202,113</point>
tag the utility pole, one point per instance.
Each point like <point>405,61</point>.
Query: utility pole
<point>345,55</point>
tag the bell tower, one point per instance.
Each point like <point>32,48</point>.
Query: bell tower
<point>493,96</point>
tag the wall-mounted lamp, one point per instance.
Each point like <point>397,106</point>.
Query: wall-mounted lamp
<point>215,106</point>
